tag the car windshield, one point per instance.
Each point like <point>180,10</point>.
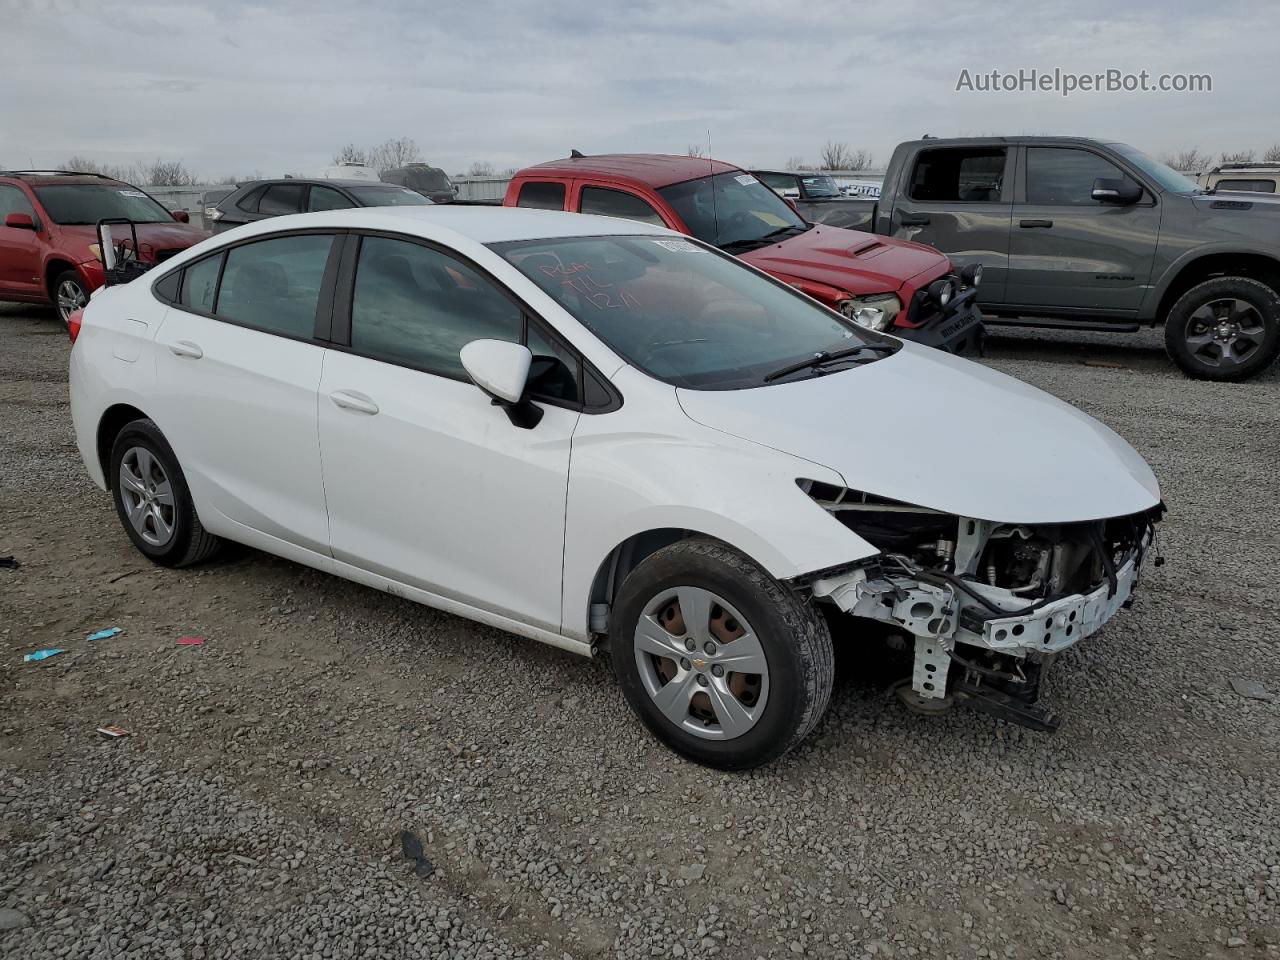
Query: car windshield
<point>683,313</point>
<point>820,186</point>
<point>387,196</point>
<point>71,203</point>
<point>431,179</point>
<point>1168,178</point>
<point>734,211</point>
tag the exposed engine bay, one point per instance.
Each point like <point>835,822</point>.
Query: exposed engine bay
<point>987,604</point>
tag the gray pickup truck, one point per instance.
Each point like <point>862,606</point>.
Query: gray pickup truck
<point>1095,235</point>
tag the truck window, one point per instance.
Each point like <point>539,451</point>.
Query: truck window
<point>780,182</point>
<point>616,203</point>
<point>541,196</point>
<point>959,175</point>
<point>1251,186</point>
<point>1065,175</point>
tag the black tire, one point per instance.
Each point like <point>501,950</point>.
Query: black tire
<point>189,542</point>
<point>1208,361</point>
<point>67,277</point>
<point>794,637</point>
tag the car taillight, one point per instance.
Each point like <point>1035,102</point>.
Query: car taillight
<point>73,323</point>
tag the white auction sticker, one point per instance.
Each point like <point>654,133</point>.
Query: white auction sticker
<point>746,179</point>
<point>679,246</point>
<point>132,193</point>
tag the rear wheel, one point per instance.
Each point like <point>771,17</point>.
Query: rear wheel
<point>69,294</point>
<point>1227,328</point>
<point>722,663</point>
<point>152,499</point>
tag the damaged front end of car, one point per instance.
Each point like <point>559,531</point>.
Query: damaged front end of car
<point>986,605</point>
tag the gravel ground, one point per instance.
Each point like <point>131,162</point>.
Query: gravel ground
<point>257,809</point>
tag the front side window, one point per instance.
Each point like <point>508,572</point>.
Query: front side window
<point>90,202</point>
<point>326,198</point>
<point>274,285</point>
<point>959,175</point>
<point>541,196</point>
<point>617,203</point>
<point>684,314</point>
<point>13,200</point>
<point>281,198</point>
<point>1062,175</point>
<point>417,307</point>
<point>733,211</point>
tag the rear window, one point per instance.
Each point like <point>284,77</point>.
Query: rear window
<point>959,175</point>
<point>388,196</point>
<point>1250,186</point>
<point>542,196</point>
<point>90,202</point>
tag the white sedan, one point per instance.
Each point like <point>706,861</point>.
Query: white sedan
<point>613,439</point>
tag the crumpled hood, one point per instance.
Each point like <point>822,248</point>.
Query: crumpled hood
<point>850,260</point>
<point>933,430</point>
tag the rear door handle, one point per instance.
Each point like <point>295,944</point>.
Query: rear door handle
<point>185,348</point>
<point>1035,223</point>
<point>914,219</point>
<point>351,400</point>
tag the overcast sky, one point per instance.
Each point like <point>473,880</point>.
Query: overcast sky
<point>233,87</point>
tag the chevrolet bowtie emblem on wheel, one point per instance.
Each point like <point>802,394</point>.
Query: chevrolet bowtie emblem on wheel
<point>700,664</point>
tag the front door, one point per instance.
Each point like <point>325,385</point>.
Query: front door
<point>1070,253</point>
<point>237,368</point>
<point>428,482</point>
<point>960,200</point>
<point>20,273</point>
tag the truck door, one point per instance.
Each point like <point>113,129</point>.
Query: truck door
<point>960,200</point>
<point>1070,253</point>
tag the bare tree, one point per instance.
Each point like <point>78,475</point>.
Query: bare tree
<point>696,151</point>
<point>80,164</point>
<point>481,168</point>
<point>841,156</point>
<point>1272,154</point>
<point>168,173</point>
<point>394,153</point>
<point>1240,156</point>
<point>795,163</point>
<point>349,154</point>
<point>1191,159</point>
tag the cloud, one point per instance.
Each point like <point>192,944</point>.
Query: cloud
<point>279,86</point>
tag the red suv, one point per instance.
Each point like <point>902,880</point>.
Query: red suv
<point>48,233</point>
<point>886,284</point>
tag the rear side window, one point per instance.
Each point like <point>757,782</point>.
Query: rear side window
<point>418,307</point>
<point>200,284</point>
<point>542,196</point>
<point>616,203</point>
<point>1062,175</point>
<point>959,175</point>
<point>249,202</point>
<point>326,198</point>
<point>281,198</point>
<point>274,285</point>
<point>1251,186</point>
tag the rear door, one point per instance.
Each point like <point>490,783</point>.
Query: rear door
<point>20,249</point>
<point>238,364</point>
<point>960,200</point>
<point>1069,253</point>
<point>428,482</point>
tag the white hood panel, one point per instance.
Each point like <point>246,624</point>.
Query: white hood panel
<point>932,430</point>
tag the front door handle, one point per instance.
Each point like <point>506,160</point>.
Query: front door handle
<point>185,348</point>
<point>351,400</point>
<point>1035,223</point>
<point>914,219</point>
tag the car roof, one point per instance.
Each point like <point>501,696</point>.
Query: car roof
<point>319,182</point>
<point>645,169</point>
<point>60,178</point>
<point>449,223</point>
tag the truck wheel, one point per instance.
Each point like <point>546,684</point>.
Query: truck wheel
<point>1227,328</point>
<point>723,663</point>
<point>69,293</point>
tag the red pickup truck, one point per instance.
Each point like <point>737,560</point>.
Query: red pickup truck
<point>905,288</point>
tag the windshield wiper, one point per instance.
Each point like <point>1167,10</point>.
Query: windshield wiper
<point>765,239</point>
<point>825,357</point>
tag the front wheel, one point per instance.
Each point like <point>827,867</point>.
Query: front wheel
<point>69,294</point>
<point>1226,329</point>
<point>722,662</point>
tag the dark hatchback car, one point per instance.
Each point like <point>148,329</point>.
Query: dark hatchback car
<point>261,199</point>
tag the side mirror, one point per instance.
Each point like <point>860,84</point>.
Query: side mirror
<point>1121,191</point>
<point>20,221</point>
<point>791,202</point>
<point>181,216</point>
<point>501,370</point>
